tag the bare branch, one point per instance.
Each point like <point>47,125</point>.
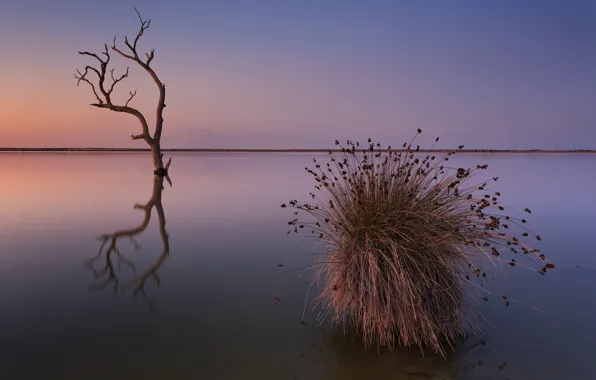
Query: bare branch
<point>133,47</point>
<point>83,77</point>
<point>121,52</point>
<point>94,70</point>
<point>101,74</point>
<point>139,15</point>
<point>134,51</point>
<point>144,26</point>
<point>106,53</point>
<point>132,95</point>
<point>103,91</point>
<point>145,65</point>
<point>92,55</point>
<point>150,57</point>
<point>116,80</point>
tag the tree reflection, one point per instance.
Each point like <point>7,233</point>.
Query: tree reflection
<point>107,271</point>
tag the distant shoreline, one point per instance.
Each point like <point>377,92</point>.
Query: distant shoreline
<point>231,150</point>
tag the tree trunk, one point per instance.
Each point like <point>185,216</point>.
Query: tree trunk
<point>103,92</point>
<point>158,167</point>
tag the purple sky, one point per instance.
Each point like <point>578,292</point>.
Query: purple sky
<point>275,74</point>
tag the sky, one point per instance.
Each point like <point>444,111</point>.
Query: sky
<point>517,74</point>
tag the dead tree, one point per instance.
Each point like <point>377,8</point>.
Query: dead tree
<point>113,259</point>
<point>104,85</point>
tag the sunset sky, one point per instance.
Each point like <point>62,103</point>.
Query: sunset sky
<point>301,73</point>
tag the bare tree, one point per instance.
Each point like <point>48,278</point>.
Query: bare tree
<point>104,85</point>
<point>113,258</point>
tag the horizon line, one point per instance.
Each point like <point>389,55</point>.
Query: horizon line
<point>290,150</point>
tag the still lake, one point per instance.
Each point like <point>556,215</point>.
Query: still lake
<point>212,313</point>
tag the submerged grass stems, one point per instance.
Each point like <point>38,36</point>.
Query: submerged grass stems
<point>404,235</point>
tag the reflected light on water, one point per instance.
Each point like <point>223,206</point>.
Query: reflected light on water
<point>76,251</point>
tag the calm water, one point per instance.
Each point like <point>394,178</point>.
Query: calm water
<point>210,312</point>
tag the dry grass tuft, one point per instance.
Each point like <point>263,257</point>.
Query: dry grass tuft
<point>404,234</point>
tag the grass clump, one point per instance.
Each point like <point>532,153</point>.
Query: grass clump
<point>404,235</point>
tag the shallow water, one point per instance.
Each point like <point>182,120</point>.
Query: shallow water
<point>213,313</point>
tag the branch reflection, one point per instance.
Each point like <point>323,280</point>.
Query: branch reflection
<point>108,270</point>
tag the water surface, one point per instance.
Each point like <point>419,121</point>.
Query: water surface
<point>211,312</point>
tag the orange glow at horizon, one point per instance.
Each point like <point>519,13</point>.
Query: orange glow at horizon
<point>298,75</point>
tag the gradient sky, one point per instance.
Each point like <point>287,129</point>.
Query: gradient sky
<point>301,73</point>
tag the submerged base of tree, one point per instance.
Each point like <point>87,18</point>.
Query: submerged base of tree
<point>162,172</point>
<point>404,236</point>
